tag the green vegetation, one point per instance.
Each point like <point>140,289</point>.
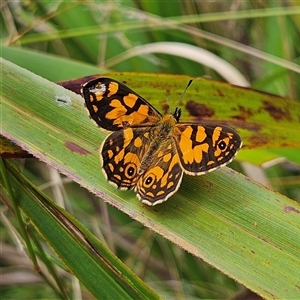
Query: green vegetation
<point>220,232</point>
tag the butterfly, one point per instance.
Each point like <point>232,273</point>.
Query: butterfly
<point>149,152</point>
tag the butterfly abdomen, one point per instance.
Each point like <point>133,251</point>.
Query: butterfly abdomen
<point>160,138</point>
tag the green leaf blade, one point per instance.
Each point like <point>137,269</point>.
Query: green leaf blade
<point>233,223</point>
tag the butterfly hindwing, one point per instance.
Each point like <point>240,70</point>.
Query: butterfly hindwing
<point>204,148</point>
<point>162,178</point>
<point>113,105</point>
<point>121,154</point>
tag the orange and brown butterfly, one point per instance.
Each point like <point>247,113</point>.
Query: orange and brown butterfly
<point>149,152</point>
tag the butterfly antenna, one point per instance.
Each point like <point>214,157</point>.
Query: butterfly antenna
<point>187,86</point>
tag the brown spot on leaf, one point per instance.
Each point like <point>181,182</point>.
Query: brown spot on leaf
<point>244,113</point>
<point>74,85</point>
<point>220,93</point>
<point>277,113</point>
<point>76,148</point>
<point>199,110</point>
<point>165,108</point>
<point>18,154</point>
<point>251,126</point>
<point>258,141</point>
<point>289,209</point>
<point>262,140</point>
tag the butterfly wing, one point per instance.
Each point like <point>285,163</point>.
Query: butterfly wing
<point>121,154</point>
<point>113,105</point>
<point>203,149</point>
<point>163,176</point>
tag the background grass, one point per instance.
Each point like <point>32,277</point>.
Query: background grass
<point>92,37</point>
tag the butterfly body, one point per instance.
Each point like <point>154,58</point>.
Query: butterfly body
<point>149,152</point>
<point>160,138</point>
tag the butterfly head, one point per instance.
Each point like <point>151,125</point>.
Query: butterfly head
<point>177,114</point>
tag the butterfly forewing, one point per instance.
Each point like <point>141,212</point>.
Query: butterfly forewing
<point>203,149</point>
<point>113,106</point>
